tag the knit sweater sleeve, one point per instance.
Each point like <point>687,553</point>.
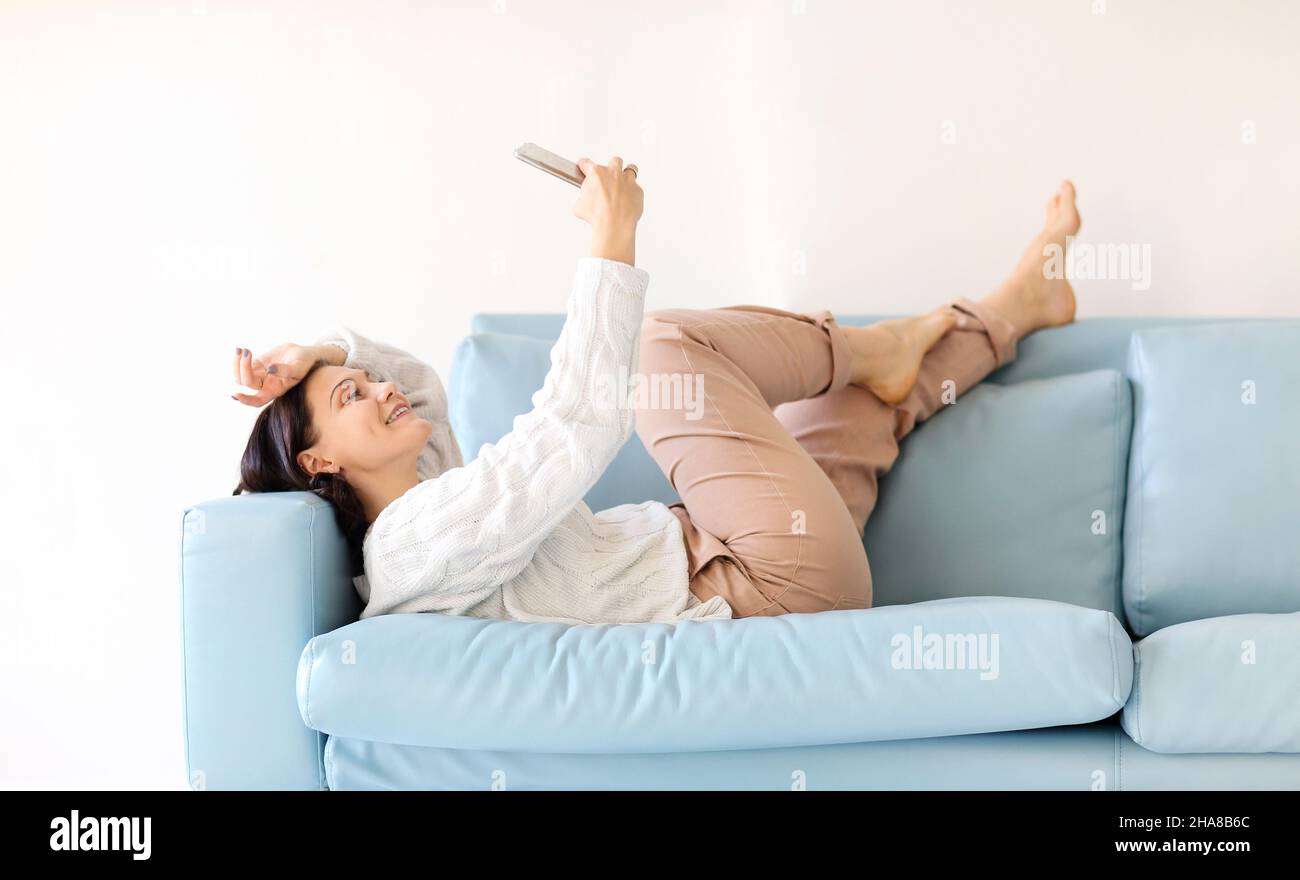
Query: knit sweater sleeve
<point>417,380</point>
<point>448,542</point>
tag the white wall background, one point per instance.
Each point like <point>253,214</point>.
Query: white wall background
<point>179,178</point>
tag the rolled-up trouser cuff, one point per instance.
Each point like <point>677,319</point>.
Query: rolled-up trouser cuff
<point>1002,333</point>
<point>841,351</point>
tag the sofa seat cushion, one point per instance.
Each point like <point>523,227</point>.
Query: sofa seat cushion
<point>1013,490</point>
<point>1214,482</point>
<point>946,667</point>
<point>1224,684</point>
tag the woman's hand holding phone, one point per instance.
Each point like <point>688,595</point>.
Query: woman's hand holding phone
<point>612,201</point>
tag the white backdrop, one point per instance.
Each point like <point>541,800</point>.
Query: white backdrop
<point>180,178</point>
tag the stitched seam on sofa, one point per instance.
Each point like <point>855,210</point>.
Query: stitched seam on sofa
<point>311,665</point>
<point>1114,662</point>
<point>311,559</point>
<point>1139,449</point>
<point>1136,696</point>
<point>1118,477</point>
<point>1119,757</point>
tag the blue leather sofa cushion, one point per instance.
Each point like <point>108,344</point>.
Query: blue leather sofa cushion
<point>1089,344</point>
<point>1014,490</point>
<point>998,495</point>
<point>1224,684</point>
<point>951,666</point>
<point>1213,522</point>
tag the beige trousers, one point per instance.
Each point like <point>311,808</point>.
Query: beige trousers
<point>778,461</point>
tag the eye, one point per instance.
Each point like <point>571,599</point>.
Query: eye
<point>347,398</point>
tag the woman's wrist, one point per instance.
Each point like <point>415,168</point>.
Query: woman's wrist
<point>333,354</point>
<point>612,243</point>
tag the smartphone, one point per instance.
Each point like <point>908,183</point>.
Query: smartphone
<point>550,163</point>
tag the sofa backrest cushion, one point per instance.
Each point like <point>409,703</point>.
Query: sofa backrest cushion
<point>493,379</point>
<point>1017,491</point>
<point>1012,490</point>
<point>1087,344</point>
<point>1213,521</point>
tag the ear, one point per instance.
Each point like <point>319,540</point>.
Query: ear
<point>314,464</point>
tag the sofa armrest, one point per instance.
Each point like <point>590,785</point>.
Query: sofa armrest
<point>261,575</point>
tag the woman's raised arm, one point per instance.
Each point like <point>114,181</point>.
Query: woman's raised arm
<point>448,542</point>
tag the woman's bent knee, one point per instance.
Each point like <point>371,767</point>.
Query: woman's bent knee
<point>805,573</point>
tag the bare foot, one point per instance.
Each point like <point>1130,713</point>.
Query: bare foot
<point>1028,298</point>
<point>887,354</point>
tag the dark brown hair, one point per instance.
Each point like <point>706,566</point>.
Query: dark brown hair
<point>270,464</point>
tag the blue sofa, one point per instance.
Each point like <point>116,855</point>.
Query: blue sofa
<point>1086,577</point>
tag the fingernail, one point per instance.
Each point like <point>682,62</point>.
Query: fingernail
<point>271,369</point>
<point>238,350</point>
<point>234,398</point>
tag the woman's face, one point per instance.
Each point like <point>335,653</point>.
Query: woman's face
<point>363,427</point>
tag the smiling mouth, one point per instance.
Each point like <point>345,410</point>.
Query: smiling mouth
<point>398,413</point>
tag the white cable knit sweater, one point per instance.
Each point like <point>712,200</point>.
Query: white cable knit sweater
<point>508,535</point>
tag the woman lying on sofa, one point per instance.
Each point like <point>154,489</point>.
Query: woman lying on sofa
<point>776,465</point>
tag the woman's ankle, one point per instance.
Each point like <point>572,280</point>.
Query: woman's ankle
<point>1011,303</point>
